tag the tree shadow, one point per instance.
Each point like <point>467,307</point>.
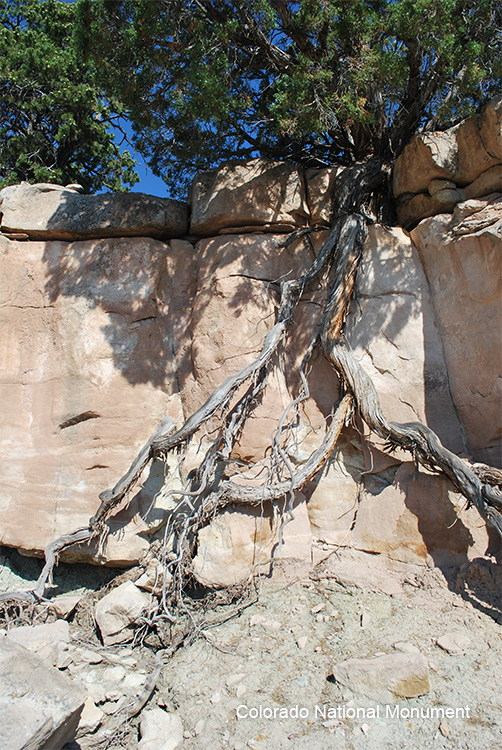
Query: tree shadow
<point>448,541</point>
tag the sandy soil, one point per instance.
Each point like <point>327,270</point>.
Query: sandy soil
<point>264,679</point>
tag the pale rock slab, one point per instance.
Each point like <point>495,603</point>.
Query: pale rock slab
<point>85,377</point>
<point>248,195</point>
<point>413,517</point>
<point>90,719</point>
<point>354,569</point>
<point>462,261</point>
<point>239,543</point>
<point>48,640</point>
<point>455,641</point>
<point>39,707</point>
<point>386,679</point>
<point>116,611</point>
<point>160,730</point>
<point>45,211</point>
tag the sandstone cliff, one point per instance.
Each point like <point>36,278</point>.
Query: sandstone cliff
<point>116,312</point>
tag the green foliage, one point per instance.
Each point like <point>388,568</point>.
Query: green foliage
<point>53,118</point>
<point>316,81</point>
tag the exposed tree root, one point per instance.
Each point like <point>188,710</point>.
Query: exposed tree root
<point>210,490</point>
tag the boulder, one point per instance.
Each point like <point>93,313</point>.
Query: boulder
<point>248,196</point>
<point>100,339</point>
<point>45,211</point>
<point>118,610</point>
<point>385,679</point>
<point>160,730</point>
<point>39,706</point>
<point>459,154</point>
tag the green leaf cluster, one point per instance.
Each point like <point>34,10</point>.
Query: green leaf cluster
<point>54,118</point>
<point>315,81</point>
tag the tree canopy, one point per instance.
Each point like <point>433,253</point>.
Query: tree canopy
<point>314,81</point>
<point>54,119</point>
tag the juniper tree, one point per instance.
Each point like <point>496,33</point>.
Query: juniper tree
<point>54,119</point>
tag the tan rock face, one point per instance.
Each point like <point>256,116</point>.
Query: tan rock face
<point>489,127</point>
<point>101,339</point>
<point>462,261</point>
<point>45,211</point>
<point>320,186</point>
<point>239,543</point>
<point>86,373</point>
<point>459,154</point>
<point>436,171</point>
<point>392,330</point>
<point>251,195</point>
<point>233,308</point>
<point>412,517</point>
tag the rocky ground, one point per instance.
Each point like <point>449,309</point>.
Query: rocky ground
<point>264,678</point>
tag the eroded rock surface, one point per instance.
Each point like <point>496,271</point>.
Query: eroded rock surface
<point>437,170</point>
<point>45,211</point>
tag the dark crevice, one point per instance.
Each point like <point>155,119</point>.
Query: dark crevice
<point>83,417</point>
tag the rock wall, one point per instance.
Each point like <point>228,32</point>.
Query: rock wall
<point>436,171</point>
<point>115,313</point>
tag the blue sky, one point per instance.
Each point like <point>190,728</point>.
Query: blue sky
<point>148,183</point>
